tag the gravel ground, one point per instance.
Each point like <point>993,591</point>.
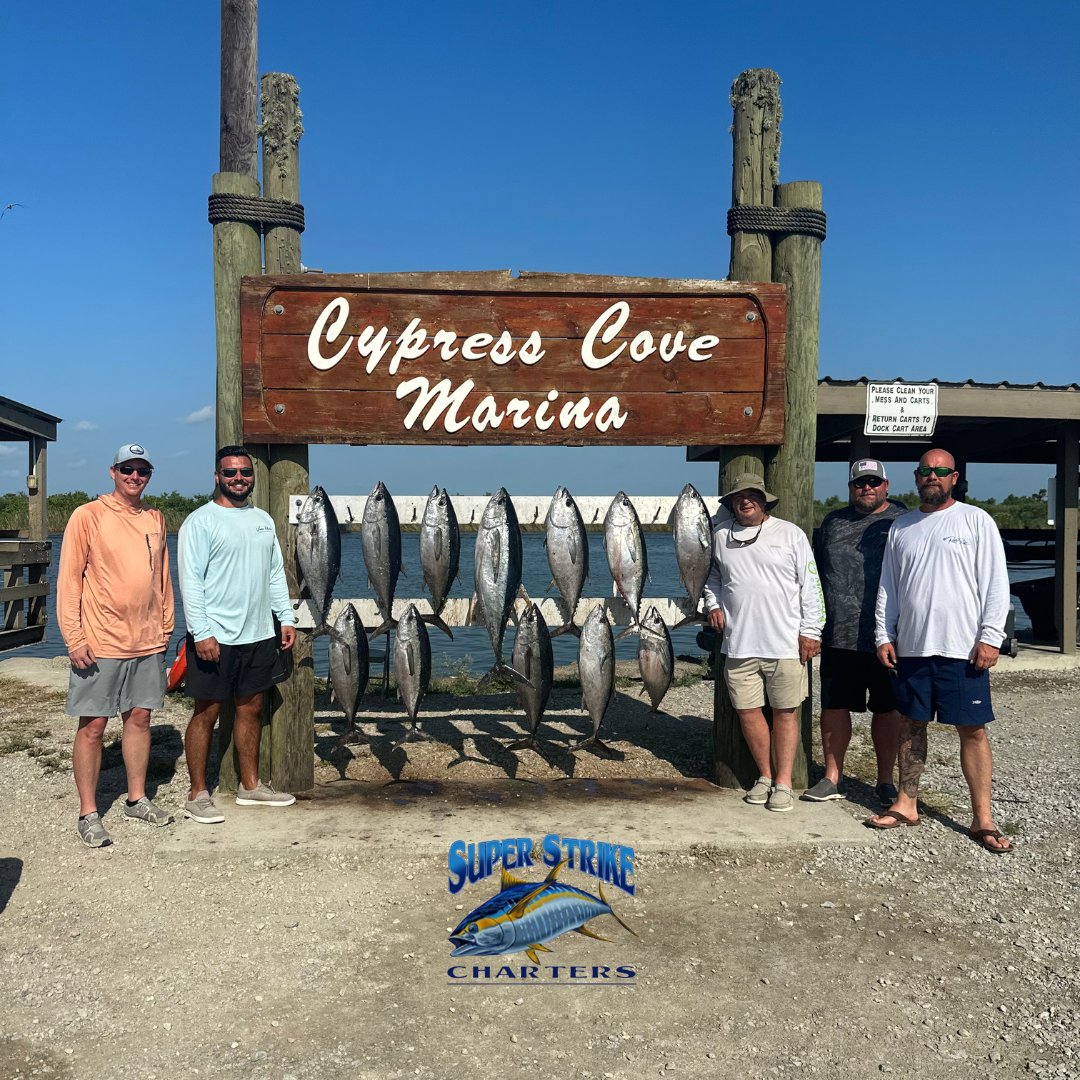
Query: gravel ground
<point>917,955</point>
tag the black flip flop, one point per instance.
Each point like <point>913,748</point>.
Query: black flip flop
<point>898,821</point>
<point>980,836</point>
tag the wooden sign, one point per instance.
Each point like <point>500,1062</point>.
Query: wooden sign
<point>475,358</point>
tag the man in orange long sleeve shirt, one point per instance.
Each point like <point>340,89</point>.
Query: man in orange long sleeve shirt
<point>115,608</point>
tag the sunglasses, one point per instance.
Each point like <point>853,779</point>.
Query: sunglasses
<point>138,470</point>
<point>732,542</point>
<point>230,473</point>
<point>937,470</point>
<point>868,481</point>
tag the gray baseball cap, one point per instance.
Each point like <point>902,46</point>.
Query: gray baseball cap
<point>867,467</point>
<point>132,451</point>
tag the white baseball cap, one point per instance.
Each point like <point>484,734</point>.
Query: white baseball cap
<point>132,452</point>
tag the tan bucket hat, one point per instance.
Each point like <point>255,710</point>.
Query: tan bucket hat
<point>750,482</point>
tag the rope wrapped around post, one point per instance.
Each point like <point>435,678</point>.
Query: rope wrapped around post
<point>262,213</point>
<point>775,219</point>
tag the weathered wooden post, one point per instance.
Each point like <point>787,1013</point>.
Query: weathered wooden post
<point>237,250</point>
<point>790,474</point>
<point>292,703</point>
<point>790,213</point>
<point>755,98</point>
<point>36,489</point>
<point>1066,517</point>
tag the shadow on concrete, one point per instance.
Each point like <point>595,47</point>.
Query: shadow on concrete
<point>10,874</point>
<point>684,741</point>
<point>166,749</point>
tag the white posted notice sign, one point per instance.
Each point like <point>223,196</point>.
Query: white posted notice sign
<point>901,409</point>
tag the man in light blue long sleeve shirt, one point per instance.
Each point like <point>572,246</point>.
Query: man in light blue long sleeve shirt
<point>232,580</point>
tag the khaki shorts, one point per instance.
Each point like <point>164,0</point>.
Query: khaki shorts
<point>748,679</point>
<point>111,687</point>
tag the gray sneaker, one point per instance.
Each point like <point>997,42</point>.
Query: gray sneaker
<point>92,833</point>
<point>823,791</point>
<point>145,810</point>
<point>758,795</point>
<point>203,810</point>
<point>780,800</point>
<point>262,795</point>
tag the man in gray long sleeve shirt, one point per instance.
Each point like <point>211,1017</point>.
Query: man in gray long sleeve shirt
<point>850,547</point>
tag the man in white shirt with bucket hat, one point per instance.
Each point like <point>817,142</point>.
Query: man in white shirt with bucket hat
<point>763,593</point>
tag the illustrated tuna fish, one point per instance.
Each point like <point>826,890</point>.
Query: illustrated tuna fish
<point>532,656</point>
<point>567,547</point>
<point>412,666</point>
<point>498,575</point>
<point>349,668</point>
<point>656,658</point>
<point>525,914</point>
<point>380,541</point>
<point>440,546</point>
<point>691,530</point>
<point>596,669</point>
<point>318,551</point>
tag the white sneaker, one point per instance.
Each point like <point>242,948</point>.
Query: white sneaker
<point>780,800</point>
<point>262,795</point>
<point>759,793</point>
<point>203,810</point>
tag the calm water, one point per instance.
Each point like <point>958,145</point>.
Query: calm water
<point>470,645</point>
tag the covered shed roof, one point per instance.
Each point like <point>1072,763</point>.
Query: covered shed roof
<point>20,422</point>
<point>1000,422</point>
<point>1014,423</point>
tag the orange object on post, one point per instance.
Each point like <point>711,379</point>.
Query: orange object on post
<point>178,669</point>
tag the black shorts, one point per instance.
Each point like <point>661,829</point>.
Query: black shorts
<point>848,678</point>
<point>242,670</point>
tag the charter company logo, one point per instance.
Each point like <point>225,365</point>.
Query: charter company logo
<point>529,910</point>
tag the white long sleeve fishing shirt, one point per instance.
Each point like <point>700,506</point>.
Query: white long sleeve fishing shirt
<point>944,583</point>
<point>768,590</point>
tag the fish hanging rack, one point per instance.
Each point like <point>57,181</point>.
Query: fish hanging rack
<point>654,511</point>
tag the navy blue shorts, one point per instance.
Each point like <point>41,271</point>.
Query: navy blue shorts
<point>954,691</point>
<point>849,678</point>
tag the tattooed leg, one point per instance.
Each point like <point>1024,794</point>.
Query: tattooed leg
<point>912,761</point>
<point>912,755</point>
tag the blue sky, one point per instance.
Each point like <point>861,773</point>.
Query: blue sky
<point>564,137</point>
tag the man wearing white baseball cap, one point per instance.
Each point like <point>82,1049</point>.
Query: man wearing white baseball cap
<point>114,604</point>
<point>849,550</point>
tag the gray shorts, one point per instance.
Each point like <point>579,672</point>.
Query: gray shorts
<point>112,687</point>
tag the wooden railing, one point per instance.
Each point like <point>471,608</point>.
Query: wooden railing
<point>24,568</point>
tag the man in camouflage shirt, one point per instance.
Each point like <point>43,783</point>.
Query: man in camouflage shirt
<point>850,547</point>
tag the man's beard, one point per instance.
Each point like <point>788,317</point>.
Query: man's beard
<point>871,507</point>
<point>237,500</point>
<point>932,495</point>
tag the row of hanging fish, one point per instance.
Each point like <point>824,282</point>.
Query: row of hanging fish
<point>497,567</point>
<point>533,667</point>
<point>498,554</point>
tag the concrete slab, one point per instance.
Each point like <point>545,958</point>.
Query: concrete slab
<point>423,818</point>
<point>51,674</point>
<point>1039,658</point>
